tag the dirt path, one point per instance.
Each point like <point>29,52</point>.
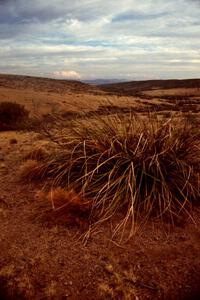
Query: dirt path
<point>41,259</point>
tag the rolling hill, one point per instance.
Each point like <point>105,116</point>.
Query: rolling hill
<point>133,87</point>
<point>45,84</point>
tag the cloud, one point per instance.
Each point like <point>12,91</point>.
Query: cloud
<point>131,15</point>
<point>66,75</point>
<point>100,38</point>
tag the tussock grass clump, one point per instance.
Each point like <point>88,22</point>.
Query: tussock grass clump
<point>69,201</point>
<point>137,167</point>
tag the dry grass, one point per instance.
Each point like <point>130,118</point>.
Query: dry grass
<point>136,167</point>
<point>38,153</point>
<point>30,170</point>
<point>69,201</point>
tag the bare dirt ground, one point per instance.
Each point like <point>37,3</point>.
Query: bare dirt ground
<point>43,258</point>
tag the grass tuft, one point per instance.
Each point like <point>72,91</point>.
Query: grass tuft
<point>137,167</point>
<point>68,201</point>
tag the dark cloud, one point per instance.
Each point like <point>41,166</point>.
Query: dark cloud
<point>27,11</point>
<point>7,1</point>
<point>127,16</point>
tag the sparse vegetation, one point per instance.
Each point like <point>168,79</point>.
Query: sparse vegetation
<point>119,285</point>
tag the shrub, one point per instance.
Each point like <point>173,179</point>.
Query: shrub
<point>139,168</point>
<point>12,114</point>
<point>13,141</point>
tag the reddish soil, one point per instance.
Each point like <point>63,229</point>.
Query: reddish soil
<point>43,259</point>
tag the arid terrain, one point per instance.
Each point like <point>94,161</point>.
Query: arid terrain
<point>44,256</point>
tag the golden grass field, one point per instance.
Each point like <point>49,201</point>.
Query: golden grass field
<point>50,250</point>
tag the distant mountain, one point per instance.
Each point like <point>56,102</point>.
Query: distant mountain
<point>103,81</point>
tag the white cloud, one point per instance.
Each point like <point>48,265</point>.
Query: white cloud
<point>66,75</point>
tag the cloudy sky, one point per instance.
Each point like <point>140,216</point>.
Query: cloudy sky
<point>88,39</point>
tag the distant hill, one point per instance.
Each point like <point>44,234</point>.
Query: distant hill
<point>134,87</point>
<point>103,81</point>
<point>43,96</point>
<point>96,87</point>
<point>45,84</point>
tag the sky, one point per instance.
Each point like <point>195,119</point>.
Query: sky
<point>107,39</point>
